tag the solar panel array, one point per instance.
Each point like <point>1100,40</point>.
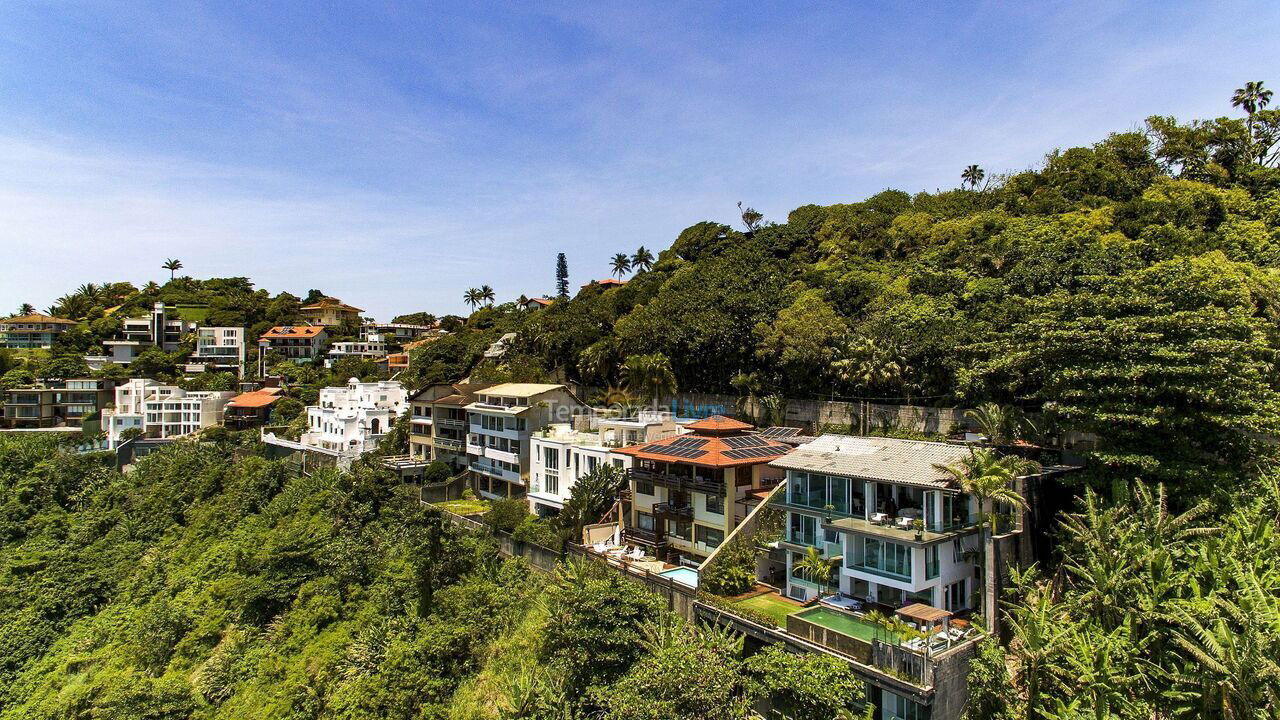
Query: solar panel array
<point>683,448</point>
<point>753,452</point>
<point>745,441</point>
<point>779,431</point>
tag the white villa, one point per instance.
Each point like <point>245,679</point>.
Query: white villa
<point>218,348</point>
<point>902,531</point>
<point>352,419</point>
<point>500,422</point>
<point>162,411</point>
<point>559,454</point>
<point>372,348</point>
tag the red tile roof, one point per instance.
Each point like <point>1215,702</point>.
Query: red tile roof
<point>292,331</point>
<point>257,398</point>
<point>38,318</point>
<point>719,424</point>
<point>715,450</point>
<point>607,282</point>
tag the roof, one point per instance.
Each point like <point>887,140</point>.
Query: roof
<point>923,613</point>
<point>607,282</point>
<point>331,302</point>
<point>257,398</point>
<point>541,301</point>
<point>905,462</point>
<point>520,390</point>
<point>39,318</point>
<point>709,449</point>
<point>293,331</point>
<point>463,394</point>
<point>719,424</point>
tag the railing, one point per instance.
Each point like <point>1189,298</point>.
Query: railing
<point>682,511</point>
<point>646,537</point>
<point>448,444</point>
<point>451,422</point>
<point>677,482</point>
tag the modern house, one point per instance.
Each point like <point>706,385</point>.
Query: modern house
<point>296,342</point>
<point>352,419</point>
<point>74,402</point>
<point>902,530</point>
<point>687,490</point>
<point>329,311</point>
<point>501,420</point>
<point>220,349</point>
<point>33,331</point>
<point>607,283</point>
<point>251,409</point>
<point>561,454</point>
<point>164,328</point>
<point>438,424</point>
<point>162,411</point>
<point>373,348</point>
<point>395,332</point>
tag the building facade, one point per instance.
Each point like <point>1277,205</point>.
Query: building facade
<point>33,331</point>
<point>295,342</point>
<point>352,419</point>
<point>251,409</point>
<point>329,311</point>
<point>374,348</point>
<point>220,349</point>
<point>400,333</point>
<point>902,529</point>
<point>162,411</point>
<point>500,422</point>
<point>74,402</point>
<point>560,454</point>
<point>690,491</point>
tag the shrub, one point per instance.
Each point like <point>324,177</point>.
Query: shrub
<point>505,515</point>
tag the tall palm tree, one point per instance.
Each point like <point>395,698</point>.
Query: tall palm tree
<point>642,261</point>
<point>989,477</point>
<point>26,309</point>
<point>172,265</point>
<point>621,265</point>
<point>473,297</point>
<point>1252,97</point>
<point>649,375</point>
<point>486,294</point>
<point>816,568</point>
<point>972,175</point>
<point>1000,424</point>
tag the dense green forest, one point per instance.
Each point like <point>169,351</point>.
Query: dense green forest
<point>210,582</point>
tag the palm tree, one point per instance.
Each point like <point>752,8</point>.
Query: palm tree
<point>486,294</point>
<point>971,176</point>
<point>172,265</point>
<point>816,568</point>
<point>1000,424</point>
<point>642,261</point>
<point>590,498</point>
<point>621,265</point>
<point>1252,97</point>
<point>989,478</point>
<point>473,297</point>
<point>26,309</point>
<point>649,375</point>
<point>151,288</point>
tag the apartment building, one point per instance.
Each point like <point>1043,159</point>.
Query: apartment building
<point>690,491</point>
<point>501,420</point>
<point>33,331</point>
<point>902,528</point>
<point>296,342</point>
<point>220,349</point>
<point>74,402</point>
<point>162,411</point>
<point>438,422</point>
<point>352,419</point>
<point>561,454</point>
<point>329,311</point>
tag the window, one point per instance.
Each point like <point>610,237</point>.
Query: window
<point>553,484</point>
<point>803,529</point>
<point>644,487</point>
<point>881,557</point>
<point>710,537</point>
<point>682,529</point>
<point>522,424</point>
<point>900,708</point>
<point>592,463</point>
<point>715,504</point>
<point>644,521</point>
<point>931,562</point>
<point>551,459</point>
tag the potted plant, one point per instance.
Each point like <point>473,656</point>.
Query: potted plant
<point>829,508</point>
<point>918,526</point>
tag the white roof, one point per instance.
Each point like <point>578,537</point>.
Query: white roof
<point>520,390</point>
<point>905,462</point>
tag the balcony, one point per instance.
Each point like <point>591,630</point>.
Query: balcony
<point>451,423</point>
<point>892,531</point>
<point>444,443</point>
<point>652,538</point>
<point>677,482</point>
<point>673,511</point>
<point>496,454</point>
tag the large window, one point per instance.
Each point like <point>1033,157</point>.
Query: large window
<point>881,557</point>
<point>715,504</point>
<point>897,707</point>
<point>644,487</point>
<point>551,458</point>
<point>819,491</point>
<point>711,537</point>
<point>644,521</point>
<point>803,529</point>
<point>931,562</point>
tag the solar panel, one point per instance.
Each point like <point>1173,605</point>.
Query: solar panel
<point>745,441</point>
<point>688,442</point>
<point>752,452</point>
<point>779,431</point>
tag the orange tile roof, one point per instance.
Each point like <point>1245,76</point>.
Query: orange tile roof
<point>255,399</point>
<point>607,282</point>
<point>541,301</point>
<point>38,318</point>
<point>719,424</point>
<point>329,302</point>
<point>292,331</point>
<point>714,451</point>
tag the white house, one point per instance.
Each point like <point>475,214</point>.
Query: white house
<point>372,348</point>
<point>500,422</point>
<point>902,529</point>
<point>162,411</point>
<point>559,455</point>
<point>352,419</point>
<point>218,348</point>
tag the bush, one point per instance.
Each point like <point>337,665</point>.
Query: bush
<point>537,531</point>
<point>733,571</point>
<point>505,515</point>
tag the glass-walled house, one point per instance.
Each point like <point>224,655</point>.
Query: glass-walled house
<point>895,525</point>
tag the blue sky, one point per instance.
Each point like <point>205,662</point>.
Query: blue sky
<point>394,154</point>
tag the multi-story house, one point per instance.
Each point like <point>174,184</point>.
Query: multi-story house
<point>903,530</point>
<point>329,311</point>
<point>501,419</point>
<point>35,330</point>
<point>73,402</point>
<point>296,342</point>
<point>560,454</point>
<point>163,328</point>
<point>352,419</point>
<point>400,333</point>
<point>373,348</point>
<point>499,347</point>
<point>162,411</point>
<point>218,348</point>
<point>251,409</point>
<point>687,490</point>
<point>438,422</point>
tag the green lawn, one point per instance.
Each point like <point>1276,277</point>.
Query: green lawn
<point>464,507</point>
<point>771,604</point>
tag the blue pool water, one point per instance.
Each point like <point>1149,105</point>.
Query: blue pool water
<point>682,575</point>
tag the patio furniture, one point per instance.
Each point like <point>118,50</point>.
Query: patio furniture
<point>879,518</point>
<point>903,523</point>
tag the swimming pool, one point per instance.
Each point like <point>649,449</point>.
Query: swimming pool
<point>843,622</point>
<point>682,575</point>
